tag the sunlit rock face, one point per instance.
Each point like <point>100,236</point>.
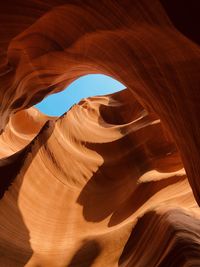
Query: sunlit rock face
<point>115,180</point>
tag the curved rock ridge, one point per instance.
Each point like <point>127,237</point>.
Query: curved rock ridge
<point>115,180</point>
<point>86,180</point>
<point>21,129</point>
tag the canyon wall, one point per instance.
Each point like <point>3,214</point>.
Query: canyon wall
<point>115,180</point>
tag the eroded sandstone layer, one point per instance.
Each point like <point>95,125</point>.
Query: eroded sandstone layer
<point>115,180</point>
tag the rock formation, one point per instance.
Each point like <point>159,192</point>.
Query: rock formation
<point>115,180</point>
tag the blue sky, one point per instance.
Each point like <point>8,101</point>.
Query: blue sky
<point>88,85</point>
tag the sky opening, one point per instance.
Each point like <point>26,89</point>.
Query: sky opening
<point>85,86</point>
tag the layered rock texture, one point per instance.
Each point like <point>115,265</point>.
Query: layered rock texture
<point>115,180</point>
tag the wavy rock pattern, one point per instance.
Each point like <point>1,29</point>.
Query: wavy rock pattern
<point>105,184</point>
